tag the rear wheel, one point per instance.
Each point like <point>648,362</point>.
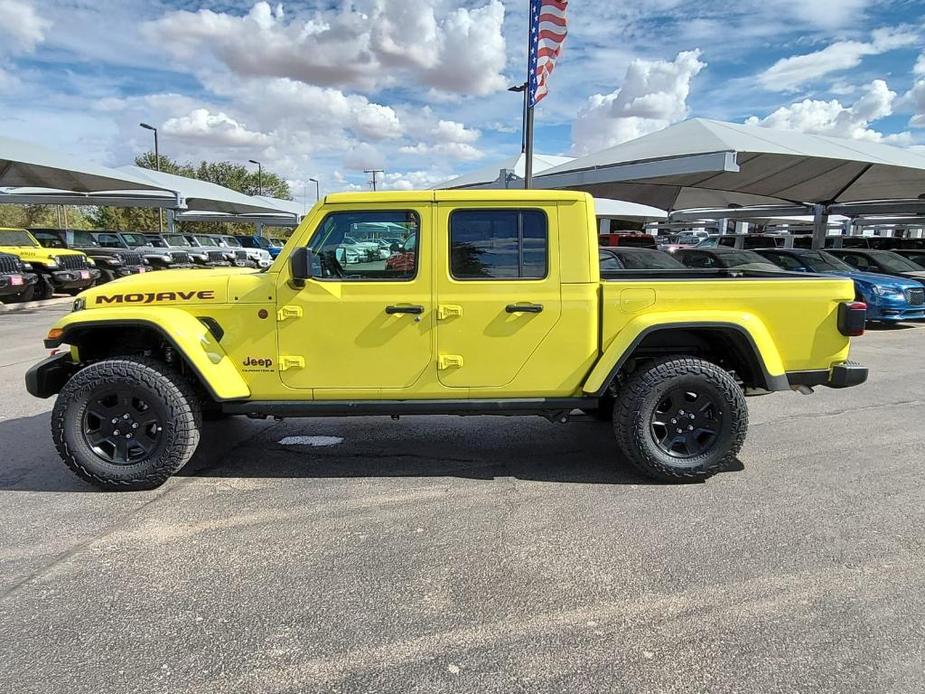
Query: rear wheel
<point>126,423</point>
<point>680,419</point>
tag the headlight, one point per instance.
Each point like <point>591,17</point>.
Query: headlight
<point>91,262</point>
<point>166,258</point>
<point>116,259</point>
<point>880,290</point>
<point>27,267</point>
<point>79,304</point>
<point>52,262</point>
<point>199,256</point>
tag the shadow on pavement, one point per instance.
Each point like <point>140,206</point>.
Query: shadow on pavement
<point>581,452</point>
<point>527,449</point>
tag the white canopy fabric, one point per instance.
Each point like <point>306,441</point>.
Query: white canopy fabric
<point>488,176</point>
<point>620,209</point>
<point>288,206</point>
<point>24,164</point>
<point>706,163</point>
<point>202,196</point>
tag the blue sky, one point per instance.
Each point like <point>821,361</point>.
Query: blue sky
<point>326,89</point>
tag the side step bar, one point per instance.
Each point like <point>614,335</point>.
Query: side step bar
<point>349,408</point>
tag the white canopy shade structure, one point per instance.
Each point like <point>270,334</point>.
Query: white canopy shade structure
<point>27,165</point>
<point>706,163</point>
<point>514,168</point>
<point>202,196</point>
<point>620,209</point>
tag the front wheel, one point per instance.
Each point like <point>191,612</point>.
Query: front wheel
<point>126,423</point>
<point>680,419</point>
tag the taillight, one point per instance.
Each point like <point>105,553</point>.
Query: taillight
<point>852,315</point>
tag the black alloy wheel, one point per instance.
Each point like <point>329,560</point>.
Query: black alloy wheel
<point>121,426</point>
<point>686,421</point>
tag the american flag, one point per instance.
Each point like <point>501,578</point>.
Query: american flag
<point>547,34</point>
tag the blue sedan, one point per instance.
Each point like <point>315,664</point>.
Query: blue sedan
<point>888,298</point>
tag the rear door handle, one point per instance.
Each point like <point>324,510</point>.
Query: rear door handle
<point>415,310</point>
<point>524,308</point>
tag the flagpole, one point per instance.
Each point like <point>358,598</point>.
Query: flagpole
<point>528,101</point>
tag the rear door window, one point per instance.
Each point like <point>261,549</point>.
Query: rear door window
<point>498,244</point>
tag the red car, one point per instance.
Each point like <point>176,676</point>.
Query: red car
<point>633,239</point>
<point>403,260</point>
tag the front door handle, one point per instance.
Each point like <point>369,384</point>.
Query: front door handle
<point>415,310</point>
<point>524,308</point>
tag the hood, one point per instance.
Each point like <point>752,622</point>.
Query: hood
<point>882,280</point>
<point>164,288</point>
<point>38,253</point>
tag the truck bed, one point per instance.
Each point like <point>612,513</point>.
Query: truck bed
<point>790,317</point>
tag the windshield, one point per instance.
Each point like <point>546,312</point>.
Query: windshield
<point>205,240</point>
<point>917,258</point>
<point>16,237</point>
<point>84,238</point>
<point>135,240</point>
<point>894,262</point>
<point>824,262</point>
<point>747,259</point>
<point>656,260</point>
<point>231,241</point>
<point>176,240</point>
<point>48,239</point>
<point>155,241</point>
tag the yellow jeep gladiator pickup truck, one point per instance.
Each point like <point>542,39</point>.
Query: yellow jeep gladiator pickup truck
<point>451,302</point>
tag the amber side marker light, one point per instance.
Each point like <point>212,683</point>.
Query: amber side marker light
<point>55,334</point>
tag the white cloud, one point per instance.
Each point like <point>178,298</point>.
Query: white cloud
<point>833,118</point>
<point>914,101</point>
<point>21,27</point>
<point>461,51</point>
<point>829,14</point>
<point>453,150</point>
<point>412,180</point>
<point>654,95</point>
<point>447,139</point>
<point>217,129</point>
<point>919,68</point>
<point>790,73</point>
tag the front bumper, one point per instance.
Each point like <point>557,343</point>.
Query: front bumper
<point>48,376</point>
<point>843,375</point>
<point>74,279</point>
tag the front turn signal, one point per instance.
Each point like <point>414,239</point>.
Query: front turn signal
<point>55,335</point>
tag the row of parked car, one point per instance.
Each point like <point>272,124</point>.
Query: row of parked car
<point>891,283</point>
<point>36,263</point>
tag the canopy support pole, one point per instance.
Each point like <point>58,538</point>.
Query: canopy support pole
<point>820,225</point>
<point>171,223</point>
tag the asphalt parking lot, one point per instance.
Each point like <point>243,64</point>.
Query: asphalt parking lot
<point>479,554</point>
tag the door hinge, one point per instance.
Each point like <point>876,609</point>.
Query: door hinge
<point>289,362</point>
<point>444,311</point>
<point>289,312</point>
<point>447,361</point>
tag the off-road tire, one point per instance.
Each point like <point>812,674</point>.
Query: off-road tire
<point>637,404</point>
<point>43,289</point>
<point>169,389</point>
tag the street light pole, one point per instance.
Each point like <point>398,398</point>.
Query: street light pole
<point>317,189</point>
<point>157,166</point>
<point>259,175</point>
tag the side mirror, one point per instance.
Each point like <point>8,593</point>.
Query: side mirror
<point>300,265</point>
